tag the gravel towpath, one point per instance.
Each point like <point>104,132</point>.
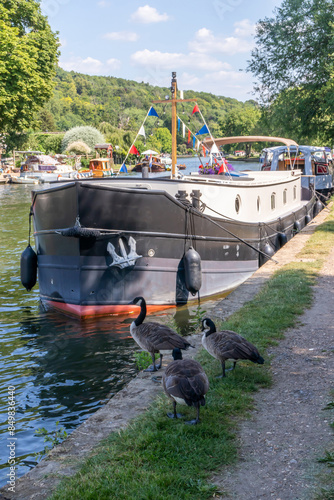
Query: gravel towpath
<point>289,430</point>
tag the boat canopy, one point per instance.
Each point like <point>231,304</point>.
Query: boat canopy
<point>248,138</point>
<point>150,152</point>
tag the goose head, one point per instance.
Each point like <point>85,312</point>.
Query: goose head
<point>208,327</point>
<point>138,301</point>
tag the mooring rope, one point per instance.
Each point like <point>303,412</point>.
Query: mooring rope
<point>232,234</point>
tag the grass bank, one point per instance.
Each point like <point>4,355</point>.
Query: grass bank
<point>156,457</point>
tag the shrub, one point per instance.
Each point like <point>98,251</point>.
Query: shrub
<point>84,162</point>
<point>89,135</point>
<point>79,148</point>
<point>49,143</point>
<point>46,143</point>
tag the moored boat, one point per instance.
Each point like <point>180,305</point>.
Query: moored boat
<point>44,168</point>
<point>102,242</point>
<point>25,179</point>
<point>311,160</point>
<point>153,164</point>
<point>4,178</point>
<point>98,167</point>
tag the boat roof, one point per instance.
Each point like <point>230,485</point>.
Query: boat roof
<point>248,138</point>
<point>99,159</point>
<point>302,149</point>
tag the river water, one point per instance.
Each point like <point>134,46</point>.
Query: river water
<point>62,369</point>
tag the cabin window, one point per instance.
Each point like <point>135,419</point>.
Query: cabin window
<point>273,201</point>
<point>294,192</point>
<point>258,203</point>
<point>285,196</point>
<point>237,204</point>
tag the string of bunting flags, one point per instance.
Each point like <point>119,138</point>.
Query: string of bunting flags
<point>133,150</point>
<point>203,130</point>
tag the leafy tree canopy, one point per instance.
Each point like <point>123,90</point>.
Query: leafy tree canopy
<point>293,61</point>
<point>28,57</point>
<point>89,135</point>
<point>296,47</point>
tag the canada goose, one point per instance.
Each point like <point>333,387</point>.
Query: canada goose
<point>154,337</point>
<point>227,345</point>
<point>185,382</point>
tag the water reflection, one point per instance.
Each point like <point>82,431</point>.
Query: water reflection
<point>62,369</point>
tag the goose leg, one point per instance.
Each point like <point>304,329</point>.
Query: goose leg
<point>152,368</point>
<point>224,371</point>
<point>174,414</point>
<point>196,420</point>
<point>233,367</point>
<point>160,363</point>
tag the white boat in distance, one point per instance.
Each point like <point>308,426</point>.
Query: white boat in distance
<point>44,168</point>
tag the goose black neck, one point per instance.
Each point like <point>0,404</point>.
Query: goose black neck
<point>177,353</point>
<point>212,328</point>
<point>142,315</point>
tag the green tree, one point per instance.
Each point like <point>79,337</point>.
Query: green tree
<point>46,121</point>
<point>293,61</point>
<point>89,135</point>
<point>28,58</point>
<point>164,138</point>
<point>237,123</point>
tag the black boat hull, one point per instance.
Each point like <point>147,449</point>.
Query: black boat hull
<point>99,246</point>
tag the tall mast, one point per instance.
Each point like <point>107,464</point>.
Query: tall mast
<point>173,102</point>
<point>174,126</point>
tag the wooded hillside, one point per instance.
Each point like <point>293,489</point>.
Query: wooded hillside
<point>90,100</point>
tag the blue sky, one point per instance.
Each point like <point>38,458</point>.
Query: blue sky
<point>206,43</point>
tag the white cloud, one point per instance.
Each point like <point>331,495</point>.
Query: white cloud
<point>114,63</point>
<point>206,42</point>
<point>124,36</point>
<point>147,15</point>
<point>170,61</point>
<point>190,81</point>
<point>103,3</point>
<point>89,65</point>
<point>244,28</point>
<point>227,83</point>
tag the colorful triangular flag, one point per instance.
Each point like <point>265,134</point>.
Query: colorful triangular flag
<point>123,168</point>
<point>223,167</point>
<point>152,112</point>
<point>178,124</point>
<point>204,151</point>
<point>189,137</point>
<point>203,130</point>
<point>194,141</point>
<point>142,131</point>
<point>183,129</point>
<point>133,150</point>
<point>214,149</point>
<point>196,109</point>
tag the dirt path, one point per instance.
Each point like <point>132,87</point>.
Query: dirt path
<point>289,430</point>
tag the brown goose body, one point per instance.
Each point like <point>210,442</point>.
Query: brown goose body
<point>226,345</point>
<point>154,337</point>
<point>185,382</point>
